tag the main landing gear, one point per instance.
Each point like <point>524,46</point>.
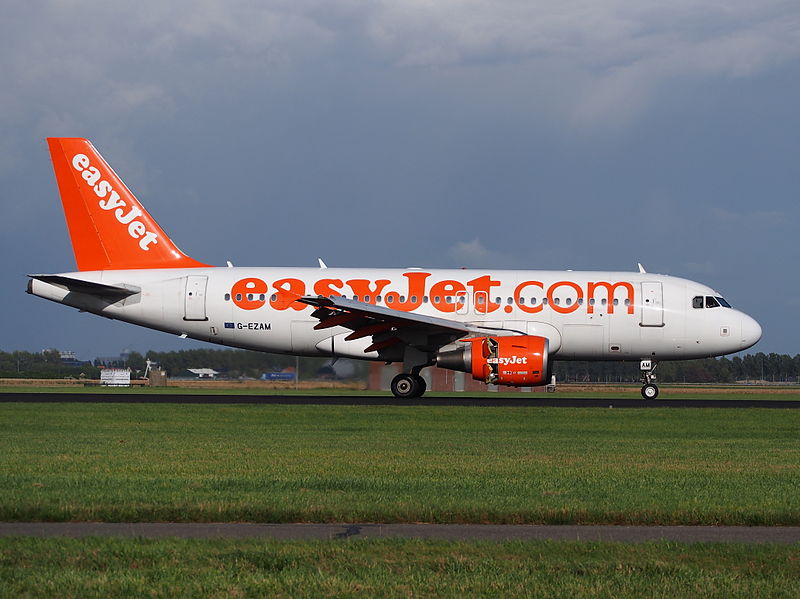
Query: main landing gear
<point>649,388</point>
<point>408,386</point>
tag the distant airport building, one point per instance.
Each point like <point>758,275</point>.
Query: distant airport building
<point>204,373</point>
<point>68,358</point>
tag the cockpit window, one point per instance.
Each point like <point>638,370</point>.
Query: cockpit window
<point>723,303</point>
<point>711,302</point>
<point>697,302</point>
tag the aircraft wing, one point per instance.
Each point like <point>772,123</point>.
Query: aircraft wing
<point>389,327</point>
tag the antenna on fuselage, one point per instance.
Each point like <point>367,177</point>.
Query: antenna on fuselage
<point>641,268</point>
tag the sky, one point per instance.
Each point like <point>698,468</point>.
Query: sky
<point>586,135</point>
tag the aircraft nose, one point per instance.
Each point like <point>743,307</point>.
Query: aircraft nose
<point>751,331</point>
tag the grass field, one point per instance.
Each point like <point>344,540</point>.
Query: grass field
<point>159,462</point>
<point>89,568</point>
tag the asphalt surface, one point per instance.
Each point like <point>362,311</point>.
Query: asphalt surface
<point>524,401</point>
<point>449,532</point>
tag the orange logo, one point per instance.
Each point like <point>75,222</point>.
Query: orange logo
<point>444,296</point>
<point>102,188</point>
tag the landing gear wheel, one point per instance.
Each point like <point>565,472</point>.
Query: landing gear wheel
<point>422,385</point>
<point>408,386</point>
<point>649,391</point>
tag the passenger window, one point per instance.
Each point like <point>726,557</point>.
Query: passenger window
<point>711,302</point>
<point>227,297</point>
<point>697,302</point>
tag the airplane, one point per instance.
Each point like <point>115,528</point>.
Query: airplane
<point>503,327</point>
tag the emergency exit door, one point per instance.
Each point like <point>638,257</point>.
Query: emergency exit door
<point>652,304</point>
<point>194,298</point>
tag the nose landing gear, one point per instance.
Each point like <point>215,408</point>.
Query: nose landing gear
<point>649,388</point>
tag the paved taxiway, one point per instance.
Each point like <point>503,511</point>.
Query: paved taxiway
<point>450,532</point>
<point>387,400</point>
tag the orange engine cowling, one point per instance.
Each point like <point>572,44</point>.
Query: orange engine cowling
<point>519,361</point>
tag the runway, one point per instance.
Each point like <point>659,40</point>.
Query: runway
<point>548,401</point>
<point>448,532</point>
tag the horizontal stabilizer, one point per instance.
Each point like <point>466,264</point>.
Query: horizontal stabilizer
<point>88,287</point>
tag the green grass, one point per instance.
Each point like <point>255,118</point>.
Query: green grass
<point>391,568</point>
<point>161,462</point>
<point>87,568</point>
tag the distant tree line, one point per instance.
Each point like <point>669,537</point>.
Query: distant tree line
<point>754,367</point>
<point>235,363</point>
<point>42,365</point>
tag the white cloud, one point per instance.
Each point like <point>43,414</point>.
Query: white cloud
<point>620,53</point>
<point>473,254</point>
<point>599,62</point>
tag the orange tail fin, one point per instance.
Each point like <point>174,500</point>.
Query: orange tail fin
<point>109,228</point>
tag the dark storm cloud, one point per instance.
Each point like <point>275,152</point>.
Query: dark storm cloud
<point>542,135</point>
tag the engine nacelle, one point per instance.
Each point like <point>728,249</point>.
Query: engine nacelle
<point>519,361</point>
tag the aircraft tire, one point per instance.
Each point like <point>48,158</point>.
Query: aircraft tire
<point>408,386</point>
<point>649,391</point>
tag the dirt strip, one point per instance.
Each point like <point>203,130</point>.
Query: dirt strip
<point>449,532</point>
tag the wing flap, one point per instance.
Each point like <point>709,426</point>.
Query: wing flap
<point>387,327</point>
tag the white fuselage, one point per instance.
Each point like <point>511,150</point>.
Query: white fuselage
<point>585,315</point>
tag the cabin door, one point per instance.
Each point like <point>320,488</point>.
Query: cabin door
<point>194,298</point>
<point>652,304</point>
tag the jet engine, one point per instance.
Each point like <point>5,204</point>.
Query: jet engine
<point>518,361</point>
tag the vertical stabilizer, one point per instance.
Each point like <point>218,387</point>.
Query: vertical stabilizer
<point>109,228</point>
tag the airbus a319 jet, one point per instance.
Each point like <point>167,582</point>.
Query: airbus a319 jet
<point>504,327</point>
